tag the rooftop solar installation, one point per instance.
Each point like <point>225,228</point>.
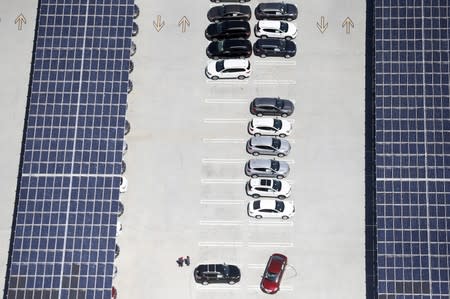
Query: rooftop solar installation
<point>412,127</point>
<point>64,229</point>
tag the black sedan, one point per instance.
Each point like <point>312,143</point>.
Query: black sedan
<point>276,11</point>
<point>227,29</point>
<point>229,12</point>
<point>229,48</point>
<point>271,106</point>
<point>241,1</point>
<point>274,47</point>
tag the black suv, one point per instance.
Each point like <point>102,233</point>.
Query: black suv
<point>274,47</point>
<point>229,48</point>
<point>276,11</point>
<point>271,106</point>
<point>229,12</point>
<point>217,273</point>
<point>227,29</point>
<point>218,1</point>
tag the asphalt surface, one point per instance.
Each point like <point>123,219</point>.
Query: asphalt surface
<point>187,153</point>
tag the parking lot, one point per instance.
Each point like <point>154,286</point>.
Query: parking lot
<point>186,157</point>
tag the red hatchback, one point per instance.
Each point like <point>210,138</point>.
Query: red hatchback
<point>271,280</point>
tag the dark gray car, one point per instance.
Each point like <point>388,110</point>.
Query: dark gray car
<point>271,106</point>
<point>267,168</point>
<point>276,11</point>
<point>229,12</point>
<point>265,145</point>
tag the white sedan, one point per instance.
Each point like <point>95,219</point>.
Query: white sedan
<point>228,69</point>
<point>270,208</point>
<point>268,187</point>
<point>123,184</point>
<point>275,29</point>
<point>269,126</point>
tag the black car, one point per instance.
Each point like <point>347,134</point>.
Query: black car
<point>274,47</point>
<point>228,29</point>
<point>271,106</point>
<point>229,12</point>
<point>217,273</point>
<point>241,1</point>
<point>276,11</point>
<point>229,48</point>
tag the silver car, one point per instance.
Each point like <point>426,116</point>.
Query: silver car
<point>267,168</point>
<point>266,145</point>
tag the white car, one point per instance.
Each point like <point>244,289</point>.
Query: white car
<point>270,208</point>
<point>228,69</point>
<point>269,126</point>
<point>275,29</point>
<point>123,184</point>
<point>118,228</point>
<point>268,187</point>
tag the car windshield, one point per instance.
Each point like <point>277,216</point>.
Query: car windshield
<point>271,276</point>
<point>279,104</point>
<point>220,45</point>
<point>224,269</point>
<point>275,165</point>
<point>220,65</point>
<point>284,26</point>
<point>279,206</point>
<point>277,185</point>
<point>277,124</point>
<point>276,143</point>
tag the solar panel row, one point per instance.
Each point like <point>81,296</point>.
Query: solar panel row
<point>412,148</point>
<point>67,202</point>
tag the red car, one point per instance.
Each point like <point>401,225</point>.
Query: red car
<point>271,280</point>
<point>114,293</point>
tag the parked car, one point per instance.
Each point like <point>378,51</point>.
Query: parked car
<point>123,184</point>
<point>229,48</point>
<point>269,126</point>
<point>229,12</point>
<point>265,145</point>
<point>228,69</point>
<point>121,209</point>
<point>135,29</point>
<point>217,273</point>
<point>135,11</point>
<point>271,106</point>
<point>270,208</point>
<point>113,293</point>
<point>274,47</point>
<point>267,168</point>
<point>133,49</point>
<point>268,187</point>
<point>273,273</point>
<point>276,11</point>
<point>275,29</point>
<point>241,1</point>
<point>227,29</point>
<point>116,251</point>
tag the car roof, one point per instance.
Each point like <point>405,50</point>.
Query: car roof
<point>267,203</point>
<point>233,42</point>
<point>267,100</point>
<point>260,162</point>
<point>269,24</point>
<point>262,140</point>
<point>263,121</point>
<point>276,262</point>
<point>231,63</point>
<point>261,182</point>
<point>271,5</point>
<point>236,7</point>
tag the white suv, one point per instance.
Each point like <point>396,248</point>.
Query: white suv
<point>228,69</point>
<point>269,126</point>
<point>275,29</point>
<point>268,188</point>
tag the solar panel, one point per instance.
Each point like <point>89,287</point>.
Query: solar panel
<point>63,236</point>
<point>412,140</point>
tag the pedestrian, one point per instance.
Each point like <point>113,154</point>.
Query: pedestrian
<point>180,261</point>
<point>187,260</point>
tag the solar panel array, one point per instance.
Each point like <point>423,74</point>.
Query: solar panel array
<point>63,237</point>
<point>412,148</point>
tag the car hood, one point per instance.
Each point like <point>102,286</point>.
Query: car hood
<point>292,30</point>
<point>269,285</point>
<point>291,9</point>
<point>285,187</point>
<point>234,271</point>
<point>215,11</point>
<point>284,168</point>
<point>211,68</point>
<point>288,106</point>
<point>213,48</point>
<point>288,208</point>
<point>211,29</point>
<point>285,147</point>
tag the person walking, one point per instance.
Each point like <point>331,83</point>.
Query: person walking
<point>180,261</point>
<point>187,260</point>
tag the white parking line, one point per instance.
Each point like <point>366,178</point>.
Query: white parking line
<point>281,244</point>
<point>275,62</point>
<point>224,140</point>
<point>222,201</point>
<point>278,82</point>
<point>284,288</point>
<point>220,244</point>
<point>225,121</point>
<point>234,82</point>
<point>256,266</point>
<point>226,101</point>
<point>223,161</point>
<point>221,222</point>
<point>223,181</point>
<point>270,223</point>
<point>218,287</point>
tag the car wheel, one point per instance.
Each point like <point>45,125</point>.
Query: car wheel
<point>284,115</point>
<point>259,114</point>
<point>281,155</point>
<point>205,283</point>
<point>287,56</point>
<point>255,154</point>
<point>255,195</point>
<point>263,55</point>
<point>285,217</point>
<point>282,135</point>
<point>281,197</point>
<point>288,38</point>
<point>214,77</point>
<point>231,282</point>
<point>241,77</point>
<point>254,176</point>
<point>280,177</point>
<point>258,216</point>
